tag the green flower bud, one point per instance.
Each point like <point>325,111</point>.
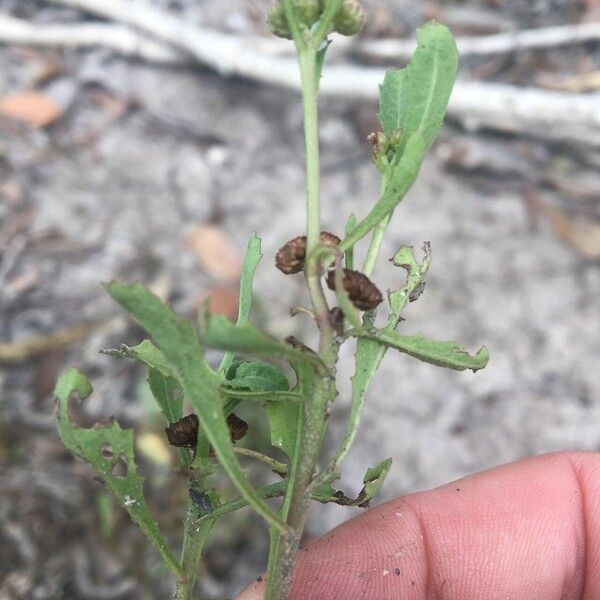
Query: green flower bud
<point>277,22</point>
<point>350,18</point>
<point>308,12</point>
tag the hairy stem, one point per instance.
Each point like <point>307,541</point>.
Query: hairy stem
<point>196,532</point>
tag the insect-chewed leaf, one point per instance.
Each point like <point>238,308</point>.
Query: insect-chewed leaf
<point>256,376</point>
<point>177,340</point>
<point>109,449</point>
<point>373,482</point>
<point>440,353</point>
<point>415,274</point>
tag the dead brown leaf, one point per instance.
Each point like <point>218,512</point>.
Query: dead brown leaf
<point>583,236</point>
<point>215,252</point>
<point>34,108</point>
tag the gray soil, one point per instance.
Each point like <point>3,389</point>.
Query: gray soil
<point>103,194</point>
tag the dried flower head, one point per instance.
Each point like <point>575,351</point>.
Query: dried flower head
<point>183,433</point>
<point>361,291</point>
<point>290,257</point>
<point>237,427</point>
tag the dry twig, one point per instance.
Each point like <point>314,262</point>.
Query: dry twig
<point>550,115</point>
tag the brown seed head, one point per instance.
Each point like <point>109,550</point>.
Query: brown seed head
<point>290,257</point>
<point>183,433</point>
<point>237,427</point>
<point>329,239</point>
<point>361,291</point>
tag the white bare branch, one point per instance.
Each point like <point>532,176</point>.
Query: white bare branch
<point>529,111</point>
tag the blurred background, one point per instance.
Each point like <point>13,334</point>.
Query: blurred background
<point>137,145</point>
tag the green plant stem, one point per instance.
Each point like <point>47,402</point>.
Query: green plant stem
<point>308,65</point>
<point>283,547</point>
<point>331,9</point>
<point>375,245</point>
<point>196,532</point>
<point>276,466</point>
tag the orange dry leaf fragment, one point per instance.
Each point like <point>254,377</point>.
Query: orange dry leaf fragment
<point>34,108</point>
<point>216,252</point>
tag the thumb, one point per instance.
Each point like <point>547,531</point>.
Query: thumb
<point>527,531</point>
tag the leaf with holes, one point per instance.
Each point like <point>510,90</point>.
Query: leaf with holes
<point>108,448</point>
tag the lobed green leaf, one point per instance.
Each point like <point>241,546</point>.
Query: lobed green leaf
<point>109,448</point>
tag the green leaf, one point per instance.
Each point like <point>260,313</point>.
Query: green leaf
<point>216,331</point>
<point>251,259</point>
<point>106,448</point>
<point>373,482</point>
<point>415,98</point>
<point>442,354</point>
<point>393,100</point>
<point>167,394</point>
<point>283,422</point>
<point>146,353</point>
<point>256,377</point>
<point>177,340</point>
<point>161,377</point>
<point>367,358</point>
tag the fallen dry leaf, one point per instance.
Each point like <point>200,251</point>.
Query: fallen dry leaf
<point>223,300</point>
<point>583,236</point>
<point>34,108</point>
<point>216,252</point>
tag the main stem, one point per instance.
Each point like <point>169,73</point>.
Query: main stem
<point>308,65</point>
<point>294,510</point>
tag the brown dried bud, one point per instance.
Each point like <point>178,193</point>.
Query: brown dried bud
<point>361,291</point>
<point>237,427</point>
<point>329,239</point>
<point>290,257</point>
<point>183,433</point>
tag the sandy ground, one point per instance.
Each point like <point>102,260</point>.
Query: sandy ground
<point>112,192</point>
